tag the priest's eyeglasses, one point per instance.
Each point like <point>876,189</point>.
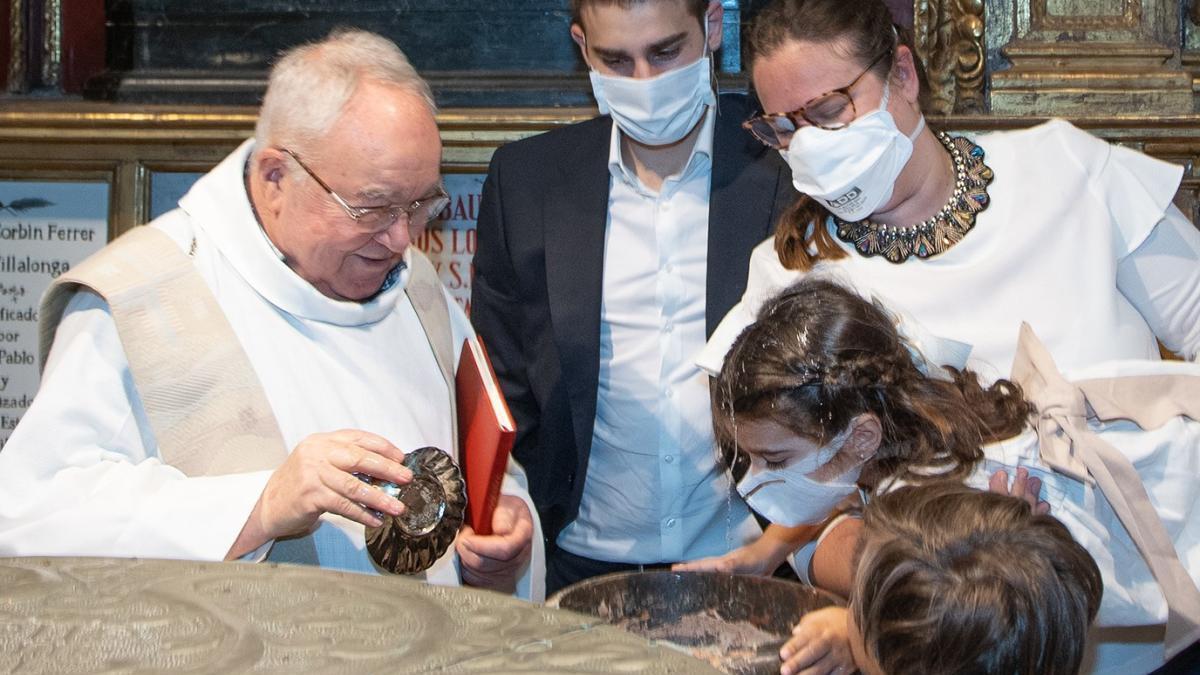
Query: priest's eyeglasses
<point>832,110</point>
<point>376,219</point>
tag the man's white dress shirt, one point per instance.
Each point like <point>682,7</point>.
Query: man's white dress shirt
<point>655,491</point>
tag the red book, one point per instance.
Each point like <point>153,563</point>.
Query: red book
<point>485,433</point>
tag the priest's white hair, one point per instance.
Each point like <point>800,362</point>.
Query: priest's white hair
<point>311,84</point>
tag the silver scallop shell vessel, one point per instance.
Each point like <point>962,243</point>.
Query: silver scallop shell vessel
<point>435,502</point>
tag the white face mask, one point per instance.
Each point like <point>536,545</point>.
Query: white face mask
<point>853,170</point>
<point>788,497</point>
<point>658,110</point>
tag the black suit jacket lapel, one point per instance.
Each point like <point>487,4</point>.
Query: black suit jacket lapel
<point>575,221</point>
<point>740,208</point>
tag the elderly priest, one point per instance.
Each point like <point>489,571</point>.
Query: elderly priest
<point>221,379</point>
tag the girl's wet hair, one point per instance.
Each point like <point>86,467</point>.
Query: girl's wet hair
<point>996,587</point>
<point>819,355</point>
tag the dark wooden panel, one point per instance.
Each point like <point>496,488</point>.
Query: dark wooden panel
<point>510,52</point>
<point>436,34</point>
<point>82,43</point>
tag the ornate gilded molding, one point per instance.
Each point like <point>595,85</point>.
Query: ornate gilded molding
<point>127,144</point>
<point>49,46</point>
<point>1042,19</point>
<point>52,43</point>
<point>949,36</point>
<point>468,134</point>
<point>971,64</point>
<point>1077,57</point>
<point>131,142</point>
<point>16,57</point>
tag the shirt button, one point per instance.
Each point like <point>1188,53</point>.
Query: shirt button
<point>670,268</point>
<point>670,522</point>
<point>669,458</point>
<point>670,393</point>
<point>670,327</point>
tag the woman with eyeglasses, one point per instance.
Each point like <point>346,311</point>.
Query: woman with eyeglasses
<point>970,236</point>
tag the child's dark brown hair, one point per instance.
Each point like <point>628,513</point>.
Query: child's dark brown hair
<point>954,581</point>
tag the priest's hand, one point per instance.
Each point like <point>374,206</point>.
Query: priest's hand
<point>495,561</point>
<point>317,478</point>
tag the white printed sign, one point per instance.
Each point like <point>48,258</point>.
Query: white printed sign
<point>45,229</point>
<point>450,239</point>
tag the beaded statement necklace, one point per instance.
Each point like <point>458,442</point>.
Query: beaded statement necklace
<point>941,231</point>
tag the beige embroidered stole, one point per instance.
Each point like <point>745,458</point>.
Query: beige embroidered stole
<point>207,409</point>
<point>424,291</point>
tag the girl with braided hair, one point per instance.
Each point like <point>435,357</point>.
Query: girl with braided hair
<point>822,400</point>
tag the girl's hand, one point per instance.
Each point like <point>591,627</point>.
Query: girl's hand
<point>820,645</point>
<point>1023,486</point>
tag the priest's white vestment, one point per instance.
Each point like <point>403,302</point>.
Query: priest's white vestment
<point>82,473</point>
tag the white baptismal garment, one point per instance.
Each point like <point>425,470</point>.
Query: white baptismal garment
<point>1080,241</point>
<point>1167,460</point>
<point>82,474</point>
<point>1126,638</point>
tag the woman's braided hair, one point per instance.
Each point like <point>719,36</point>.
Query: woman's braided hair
<point>819,355</point>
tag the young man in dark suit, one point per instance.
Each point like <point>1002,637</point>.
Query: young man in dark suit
<point>608,252</point>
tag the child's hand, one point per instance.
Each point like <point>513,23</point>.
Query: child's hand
<point>819,645</point>
<point>761,557</point>
<point>1024,487</point>
<point>745,560</point>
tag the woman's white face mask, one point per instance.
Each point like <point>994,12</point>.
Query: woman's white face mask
<point>789,497</point>
<point>658,110</point>
<point>853,170</point>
